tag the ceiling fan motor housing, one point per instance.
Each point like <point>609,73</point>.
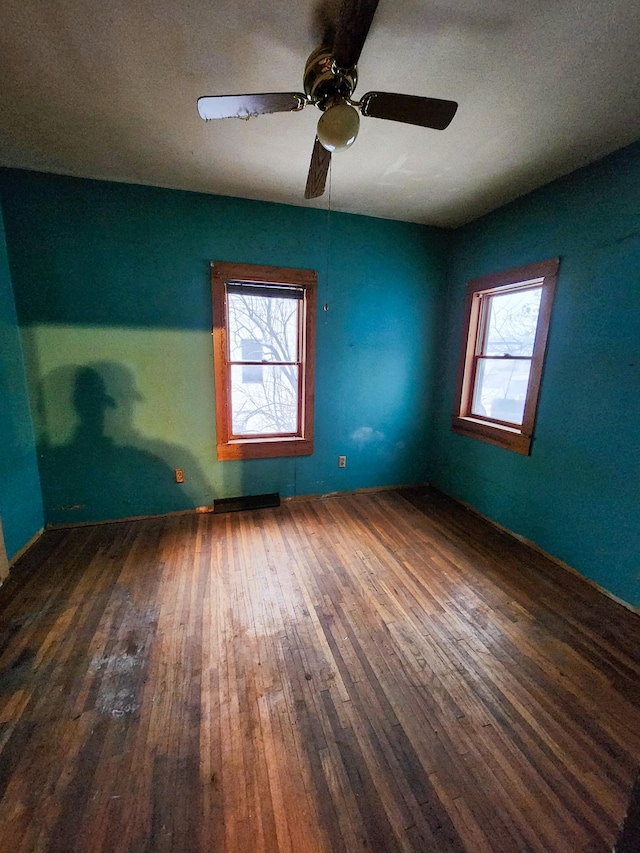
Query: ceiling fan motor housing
<point>323,82</point>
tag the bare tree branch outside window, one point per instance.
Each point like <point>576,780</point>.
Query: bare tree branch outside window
<point>264,402</point>
<point>505,353</point>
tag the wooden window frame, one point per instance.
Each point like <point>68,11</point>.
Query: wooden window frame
<point>516,438</point>
<point>259,447</point>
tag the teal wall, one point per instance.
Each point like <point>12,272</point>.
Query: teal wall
<point>112,291</point>
<point>578,494</point>
<point>20,500</point>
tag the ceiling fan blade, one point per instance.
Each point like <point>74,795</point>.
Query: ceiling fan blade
<point>318,169</point>
<point>354,20</point>
<point>410,109</point>
<point>324,23</point>
<point>245,106</point>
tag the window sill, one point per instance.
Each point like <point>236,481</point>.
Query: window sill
<point>510,438</point>
<point>264,448</point>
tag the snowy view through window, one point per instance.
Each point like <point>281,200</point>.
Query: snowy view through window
<point>263,328</point>
<point>508,329</point>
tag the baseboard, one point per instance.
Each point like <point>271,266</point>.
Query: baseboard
<point>369,490</point>
<point>71,524</point>
<point>574,571</point>
<point>4,560</point>
<point>26,547</point>
<point>204,509</point>
<point>535,547</point>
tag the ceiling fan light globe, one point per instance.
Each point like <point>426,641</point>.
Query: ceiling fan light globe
<point>338,127</point>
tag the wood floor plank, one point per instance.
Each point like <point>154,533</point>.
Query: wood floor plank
<point>376,672</point>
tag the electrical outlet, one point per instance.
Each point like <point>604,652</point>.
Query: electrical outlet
<point>342,461</point>
<point>179,472</point>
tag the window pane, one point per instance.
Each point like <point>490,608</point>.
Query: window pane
<point>251,351</point>
<point>262,326</point>
<point>513,319</point>
<point>267,407</point>
<point>501,389</point>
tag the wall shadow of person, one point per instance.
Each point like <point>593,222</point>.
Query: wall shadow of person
<point>107,469</point>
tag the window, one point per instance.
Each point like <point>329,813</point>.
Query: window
<point>263,341</point>
<point>251,352</point>
<point>506,322</point>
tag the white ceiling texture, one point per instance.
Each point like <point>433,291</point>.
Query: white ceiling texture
<point>108,89</point>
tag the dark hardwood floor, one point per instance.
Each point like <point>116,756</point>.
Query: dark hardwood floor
<point>380,672</point>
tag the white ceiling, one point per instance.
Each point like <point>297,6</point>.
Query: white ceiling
<point>108,89</point>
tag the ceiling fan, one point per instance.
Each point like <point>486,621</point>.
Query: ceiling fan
<point>330,76</point>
